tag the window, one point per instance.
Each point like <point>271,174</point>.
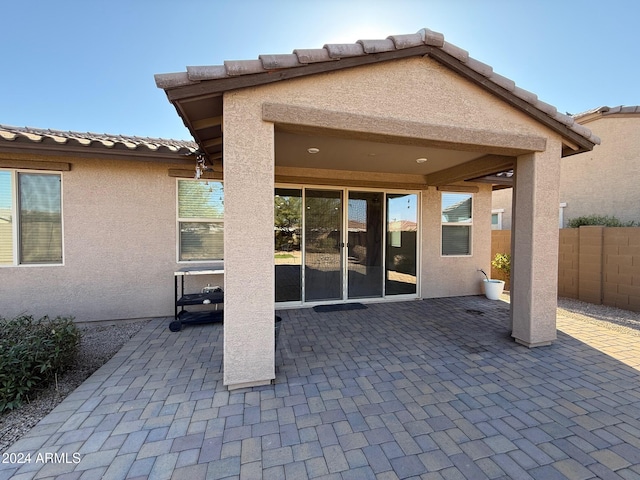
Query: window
<point>200,220</point>
<point>30,218</point>
<point>496,219</point>
<point>457,220</point>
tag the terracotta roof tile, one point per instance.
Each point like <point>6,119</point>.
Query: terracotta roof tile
<point>342,50</point>
<point>429,37</point>
<point>274,62</point>
<point>312,55</point>
<point>407,41</point>
<point>207,73</point>
<point>335,52</point>
<point>525,95</point>
<point>377,46</point>
<point>243,67</point>
<point>455,52</point>
<point>482,68</point>
<point>95,140</point>
<point>504,82</point>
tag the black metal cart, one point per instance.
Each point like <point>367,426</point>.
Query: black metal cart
<point>208,297</point>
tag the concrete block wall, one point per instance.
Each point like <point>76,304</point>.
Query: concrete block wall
<point>590,241</point>
<point>595,264</point>
<point>621,268</point>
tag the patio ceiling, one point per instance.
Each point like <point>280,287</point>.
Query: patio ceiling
<point>363,155</point>
<point>347,150</point>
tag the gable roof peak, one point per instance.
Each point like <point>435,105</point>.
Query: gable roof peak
<point>424,42</point>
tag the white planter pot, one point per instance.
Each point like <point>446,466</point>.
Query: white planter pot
<point>493,288</point>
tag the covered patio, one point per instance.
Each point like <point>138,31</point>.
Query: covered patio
<point>407,115</point>
<point>430,388</point>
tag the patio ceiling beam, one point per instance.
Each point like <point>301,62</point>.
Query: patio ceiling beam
<point>495,180</point>
<point>487,165</point>
<point>301,180</point>
<point>402,132</point>
<point>214,142</point>
<point>207,123</point>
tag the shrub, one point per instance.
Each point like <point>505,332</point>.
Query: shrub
<point>502,263</point>
<point>599,220</point>
<point>32,352</point>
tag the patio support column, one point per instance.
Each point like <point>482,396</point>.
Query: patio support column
<point>534,279</point>
<point>249,302</point>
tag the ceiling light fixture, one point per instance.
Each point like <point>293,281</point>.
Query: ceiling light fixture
<point>313,150</point>
<point>421,160</point>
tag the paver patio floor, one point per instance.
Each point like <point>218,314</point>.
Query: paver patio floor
<point>431,389</point>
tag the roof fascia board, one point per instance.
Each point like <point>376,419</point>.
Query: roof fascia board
<point>87,152</point>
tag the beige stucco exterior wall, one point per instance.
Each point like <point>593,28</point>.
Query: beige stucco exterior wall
<point>534,280</point>
<point>248,242</point>
<point>605,180</point>
<point>445,276</point>
<point>119,235</point>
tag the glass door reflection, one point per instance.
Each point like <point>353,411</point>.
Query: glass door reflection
<point>401,255</point>
<point>364,242</point>
<point>323,245</point>
<point>288,239</point>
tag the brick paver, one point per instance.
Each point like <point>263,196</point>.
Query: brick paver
<point>424,389</point>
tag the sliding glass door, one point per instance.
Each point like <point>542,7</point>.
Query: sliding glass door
<point>364,244</point>
<point>287,214</point>
<point>338,244</point>
<point>401,245</point>
<point>323,245</point>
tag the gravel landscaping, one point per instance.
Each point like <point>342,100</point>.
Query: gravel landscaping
<point>101,342</point>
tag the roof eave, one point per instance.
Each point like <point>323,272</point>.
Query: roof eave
<point>506,90</point>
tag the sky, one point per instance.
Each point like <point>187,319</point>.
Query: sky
<point>88,65</point>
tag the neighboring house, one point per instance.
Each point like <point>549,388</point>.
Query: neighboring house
<point>361,149</point>
<point>599,182</point>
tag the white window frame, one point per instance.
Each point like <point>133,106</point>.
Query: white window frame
<point>15,218</point>
<point>458,224</point>
<point>499,212</point>
<point>180,220</point>
<point>563,205</point>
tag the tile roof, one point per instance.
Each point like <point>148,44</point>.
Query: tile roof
<point>95,140</point>
<point>340,52</point>
<point>604,111</point>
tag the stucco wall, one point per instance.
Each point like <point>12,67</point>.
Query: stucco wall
<point>445,276</point>
<point>605,180</point>
<point>416,89</point>
<point>119,220</point>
